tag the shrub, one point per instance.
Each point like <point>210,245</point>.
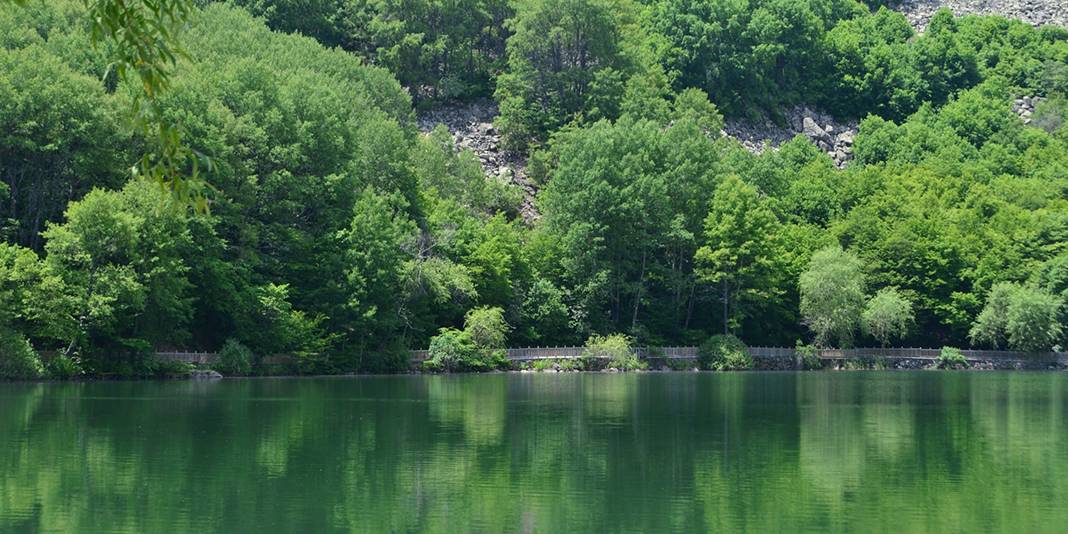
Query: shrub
<point>678,364</point>
<point>612,347</point>
<point>616,348</point>
<point>486,328</point>
<point>452,350</point>
<point>394,358</point>
<point>724,353</point>
<point>810,356</point>
<point>63,367</point>
<point>865,364</point>
<point>951,358</point>
<point>563,364</point>
<point>627,364</point>
<point>18,361</point>
<point>171,368</point>
<point>235,359</point>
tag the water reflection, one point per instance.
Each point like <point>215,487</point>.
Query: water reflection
<point>676,452</point>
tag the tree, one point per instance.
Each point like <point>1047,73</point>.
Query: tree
<point>438,50</point>
<point>58,140</point>
<point>888,315</point>
<point>1034,323</point>
<point>375,263</point>
<point>487,328</point>
<point>739,251</point>
<point>621,211</point>
<point>122,258</point>
<point>143,35</point>
<point>563,57</point>
<point>991,327</point>
<point>1024,317</point>
<point>832,296</point>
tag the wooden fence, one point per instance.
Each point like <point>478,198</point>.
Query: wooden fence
<point>786,353</point>
<point>526,354</point>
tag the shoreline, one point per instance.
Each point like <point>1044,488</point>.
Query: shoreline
<point>761,365</point>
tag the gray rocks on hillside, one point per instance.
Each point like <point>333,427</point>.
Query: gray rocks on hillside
<point>831,136</point>
<point>1033,12</point>
<point>472,129</point>
<point>1025,107</point>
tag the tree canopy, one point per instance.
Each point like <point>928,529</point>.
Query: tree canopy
<point>342,235</point>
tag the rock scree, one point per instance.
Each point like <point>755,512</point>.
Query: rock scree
<point>830,135</point>
<point>471,125</point>
<point>1033,12</point>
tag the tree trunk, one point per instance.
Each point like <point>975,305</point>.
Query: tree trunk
<point>725,295</point>
<point>638,295</point>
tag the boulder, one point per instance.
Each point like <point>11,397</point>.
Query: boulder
<point>814,132</point>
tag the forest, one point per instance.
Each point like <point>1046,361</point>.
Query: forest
<point>338,233</point>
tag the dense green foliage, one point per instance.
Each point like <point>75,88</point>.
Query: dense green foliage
<point>887,316</point>
<point>342,236</point>
<point>951,358</point>
<point>724,352</point>
<point>479,346</point>
<point>1024,318</point>
<point>235,359</point>
<point>18,361</point>
<point>832,296</point>
<point>617,349</point>
<point>439,50</point>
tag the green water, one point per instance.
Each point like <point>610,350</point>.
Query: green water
<point>672,452</point>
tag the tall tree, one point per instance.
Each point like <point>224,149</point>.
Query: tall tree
<point>887,315</point>
<point>1023,317</point>
<point>832,296</point>
<point>564,57</point>
<point>740,247</point>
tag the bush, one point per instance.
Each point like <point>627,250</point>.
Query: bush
<point>235,359</point>
<point>612,347</point>
<point>63,367</point>
<point>616,348</point>
<point>18,361</point>
<point>810,356</point>
<point>561,364</point>
<point>677,364</point>
<point>864,364</point>
<point>951,358</point>
<point>452,350</point>
<point>171,368</point>
<point>724,353</point>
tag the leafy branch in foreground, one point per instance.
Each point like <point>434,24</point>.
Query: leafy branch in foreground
<point>145,38</point>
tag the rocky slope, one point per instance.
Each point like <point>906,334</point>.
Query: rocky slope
<point>472,129</point>
<point>832,136</point>
<point>472,124</point>
<point>1033,12</point>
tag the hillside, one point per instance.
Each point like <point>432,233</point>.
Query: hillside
<point>783,171</point>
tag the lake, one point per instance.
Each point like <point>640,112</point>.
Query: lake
<point>896,452</point>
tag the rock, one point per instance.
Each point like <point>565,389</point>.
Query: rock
<point>1033,12</point>
<point>472,127</point>
<point>204,374</point>
<point>814,132</point>
<point>758,137</point>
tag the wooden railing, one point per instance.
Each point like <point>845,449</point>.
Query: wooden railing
<point>525,354</point>
<point>787,353</point>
